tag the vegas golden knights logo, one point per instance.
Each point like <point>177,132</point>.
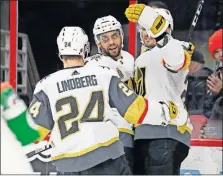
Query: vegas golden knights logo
<point>140,84</point>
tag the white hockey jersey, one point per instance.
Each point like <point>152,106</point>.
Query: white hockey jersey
<point>125,69</point>
<point>157,76</point>
<point>74,105</point>
<point>161,74</point>
<point>123,66</point>
<point>64,94</point>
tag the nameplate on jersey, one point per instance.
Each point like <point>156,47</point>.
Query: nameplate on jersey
<point>77,83</point>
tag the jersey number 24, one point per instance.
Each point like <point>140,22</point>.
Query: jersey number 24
<point>96,102</point>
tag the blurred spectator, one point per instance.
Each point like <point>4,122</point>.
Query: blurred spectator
<point>200,101</point>
<point>197,62</point>
<point>197,88</point>
<point>214,82</point>
<point>204,95</point>
<point>217,111</point>
<point>215,45</point>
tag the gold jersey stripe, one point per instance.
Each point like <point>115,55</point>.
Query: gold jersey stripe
<point>182,129</point>
<point>125,130</point>
<point>135,110</point>
<point>43,133</point>
<point>85,151</point>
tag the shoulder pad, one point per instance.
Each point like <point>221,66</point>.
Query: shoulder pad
<point>44,78</point>
<point>126,54</point>
<point>107,70</point>
<point>96,57</point>
<point>144,55</point>
<point>40,85</point>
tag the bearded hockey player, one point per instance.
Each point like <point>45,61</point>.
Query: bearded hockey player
<point>160,75</point>
<point>73,104</point>
<point>17,130</point>
<point>108,35</point>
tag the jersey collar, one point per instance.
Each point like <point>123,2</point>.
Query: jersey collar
<point>74,67</point>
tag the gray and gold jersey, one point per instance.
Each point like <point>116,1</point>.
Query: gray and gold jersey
<point>73,104</point>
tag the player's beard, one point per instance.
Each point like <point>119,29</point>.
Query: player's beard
<point>112,51</point>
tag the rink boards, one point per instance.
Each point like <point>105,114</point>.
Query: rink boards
<point>205,157</point>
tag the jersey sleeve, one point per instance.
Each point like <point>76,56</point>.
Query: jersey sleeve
<point>130,106</point>
<point>40,111</point>
<point>174,57</point>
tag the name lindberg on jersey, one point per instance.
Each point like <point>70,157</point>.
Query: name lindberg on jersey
<point>77,83</point>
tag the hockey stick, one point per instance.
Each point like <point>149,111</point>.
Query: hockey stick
<point>195,19</point>
<point>37,151</point>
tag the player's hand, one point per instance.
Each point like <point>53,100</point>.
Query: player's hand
<point>189,48</point>
<point>214,84</point>
<point>134,11</point>
<point>148,18</point>
<point>175,114</point>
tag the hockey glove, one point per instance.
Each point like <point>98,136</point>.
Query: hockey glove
<point>188,47</point>
<point>134,11</point>
<point>174,113</point>
<point>148,18</point>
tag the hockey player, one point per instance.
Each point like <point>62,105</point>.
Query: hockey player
<point>17,130</point>
<point>160,75</point>
<point>109,36</point>
<point>73,104</point>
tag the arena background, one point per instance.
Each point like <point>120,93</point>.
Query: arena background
<point>42,21</point>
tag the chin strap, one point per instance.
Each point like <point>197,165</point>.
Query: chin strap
<point>163,40</point>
